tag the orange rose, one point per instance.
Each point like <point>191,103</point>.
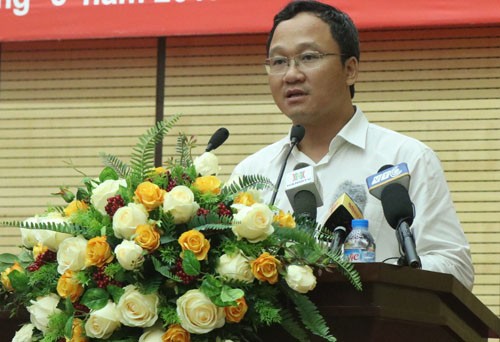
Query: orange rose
<point>147,236</point>
<point>265,268</point>
<point>285,220</point>
<point>69,287</point>
<point>176,333</point>
<point>4,276</point>
<point>75,206</point>
<point>208,184</point>
<point>244,198</point>
<point>195,241</point>
<point>149,194</point>
<point>78,334</point>
<point>98,252</point>
<point>234,314</point>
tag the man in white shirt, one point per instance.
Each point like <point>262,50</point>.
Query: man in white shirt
<point>313,56</point>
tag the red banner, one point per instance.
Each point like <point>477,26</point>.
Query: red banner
<point>24,20</point>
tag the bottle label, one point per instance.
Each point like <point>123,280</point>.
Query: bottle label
<point>359,255</point>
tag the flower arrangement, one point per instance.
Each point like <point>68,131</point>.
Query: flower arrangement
<point>166,254</point>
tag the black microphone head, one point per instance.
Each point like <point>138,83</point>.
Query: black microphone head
<point>304,204</point>
<point>385,167</point>
<point>297,134</point>
<point>300,166</point>
<point>217,139</point>
<point>397,205</point>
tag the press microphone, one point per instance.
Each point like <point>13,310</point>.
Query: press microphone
<point>302,181</point>
<point>399,213</point>
<point>296,135</point>
<point>348,206</point>
<point>388,174</point>
<point>217,139</point>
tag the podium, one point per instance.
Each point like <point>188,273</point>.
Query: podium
<point>396,304</point>
<point>402,304</point>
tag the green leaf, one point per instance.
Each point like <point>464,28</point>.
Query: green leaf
<point>68,328</point>
<point>115,291</point>
<point>190,264</point>
<point>164,270</point>
<point>229,294</point>
<point>108,173</point>
<point>19,280</point>
<point>211,287</point>
<point>95,298</point>
<point>7,258</point>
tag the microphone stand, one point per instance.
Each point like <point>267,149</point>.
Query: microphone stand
<point>407,243</point>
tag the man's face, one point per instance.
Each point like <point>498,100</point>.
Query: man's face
<point>309,97</point>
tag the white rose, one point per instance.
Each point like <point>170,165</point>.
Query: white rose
<point>126,219</point>
<point>207,164</point>
<point>180,203</point>
<point>28,237</point>
<point>71,254</point>
<point>137,309</point>
<point>48,238</point>
<point>129,255</point>
<point>41,309</point>
<point>235,267</point>
<point>105,190</point>
<point>103,322</point>
<point>153,334</point>
<point>253,223</point>
<point>24,334</point>
<point>300,278</point>
<point>197,313</point>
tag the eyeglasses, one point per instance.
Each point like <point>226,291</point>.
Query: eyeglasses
<point>305,61</point>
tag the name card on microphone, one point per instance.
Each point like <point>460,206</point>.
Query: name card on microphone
<point>303,179</point>
<point>342,212</point>
<point>397,174</point>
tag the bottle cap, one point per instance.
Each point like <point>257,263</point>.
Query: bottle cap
<point>359,223</point>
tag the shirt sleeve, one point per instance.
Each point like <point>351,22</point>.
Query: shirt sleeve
<point>440,240</point>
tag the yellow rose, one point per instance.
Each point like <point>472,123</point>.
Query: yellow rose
<point>4,276</point>
<point>159,170</point>
<point>69,287</point>
<point>244,198</point>
<point>285,220</point>
<point>147,236</point>
<point>78,334</point>
<point>265,268</point>
<point>98,252</point>
<point>176,333</point>
<point>195,241</point>
<point>208,184</point>
<point>234,314</point>
<point>149,194</point>
<point>75,206</point>
<point>39,249</point>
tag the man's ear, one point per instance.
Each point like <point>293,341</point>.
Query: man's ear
<point>351,68</point>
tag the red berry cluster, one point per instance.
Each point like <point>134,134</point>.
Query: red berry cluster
<point>102,280</point>
<point>41,260</point>
<point>171,184</point>
<point>223,210</point>
<point>179,271</point>
<point>114,203</point>
<point>202,212</point>
<point>80,309</point>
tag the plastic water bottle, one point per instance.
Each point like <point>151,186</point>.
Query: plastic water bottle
<point>359,245</point>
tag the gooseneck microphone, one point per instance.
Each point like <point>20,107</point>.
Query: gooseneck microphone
<point>217,139</point>
<point>399,213</point>
<point>296,135</point>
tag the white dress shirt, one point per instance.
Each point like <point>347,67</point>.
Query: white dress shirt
<point>358,151</point>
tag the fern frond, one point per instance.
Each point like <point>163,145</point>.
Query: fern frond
<point>62,227</point>
<point>292,326</point>
<point>184,147</point>
<point>246,182</point>
<point>347,269</point>
<point>218,222</point>
<point>116,164</point>
<point>310,315</point>
<point>297,235</point>
<point>142,159</point>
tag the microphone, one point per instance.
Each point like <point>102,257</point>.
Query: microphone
<point>296,135</point>
<point>398,211</point>
<point>300,181</point>
<point>348,206</point>
<point>388,174</point>
<point>217,139</point>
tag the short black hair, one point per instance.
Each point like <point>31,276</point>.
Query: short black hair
<point>342,28</point>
